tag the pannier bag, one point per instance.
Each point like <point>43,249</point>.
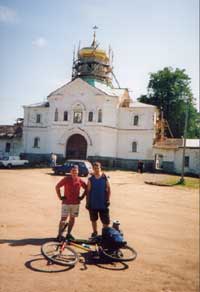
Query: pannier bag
<point>112,239</point>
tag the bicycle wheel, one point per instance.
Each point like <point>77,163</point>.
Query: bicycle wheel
<point>59,254</point>
<point>123,254</point>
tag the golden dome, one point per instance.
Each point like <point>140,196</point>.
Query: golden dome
<point>93,53</point>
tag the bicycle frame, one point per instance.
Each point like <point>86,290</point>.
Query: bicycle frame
<point>84,244</point>
<point>79,242</point>
<point>63,253</point>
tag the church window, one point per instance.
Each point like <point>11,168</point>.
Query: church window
<point>38,118</point>
<point>187,161</point>
<point>134,146</point>
<point>7,148</point>
<point>78,115</point>
<point>90,116</point>
<point>36,142</point>
<point>65,117</point>
<point>56,115</point>
<point>100,116</point>
<point>135,120</point>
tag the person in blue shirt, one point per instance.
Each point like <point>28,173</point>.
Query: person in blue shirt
<point>98,198</point>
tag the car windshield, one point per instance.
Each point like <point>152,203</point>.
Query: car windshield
<point>66,164</point>
<point>81,164</point>
<point>5,158</point>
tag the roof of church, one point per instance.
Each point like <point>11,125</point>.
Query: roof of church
<point>140,104</point>
<point>105,88</point>
<point>100,86</point>
<point>39,104</point>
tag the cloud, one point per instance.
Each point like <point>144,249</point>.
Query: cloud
<point>40,42</point>
<point>8,15</point>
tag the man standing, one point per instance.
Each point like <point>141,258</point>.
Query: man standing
<point>53,159</point>
<point>140,166</point>
<point>71,200</point>
<point>98,198</point>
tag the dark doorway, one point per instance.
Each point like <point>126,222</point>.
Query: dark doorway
<point>76,147</point>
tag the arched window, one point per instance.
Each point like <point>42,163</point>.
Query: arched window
<point>135,120</point>
<point>65,117</point>
<point>90,116</point>
<point>38,118</point>
<point>56,115</point>
<point>187,161</point>
<point>100,116</point>
<point>134,146</point>
<point>8,146</point>
<point>36,143</point>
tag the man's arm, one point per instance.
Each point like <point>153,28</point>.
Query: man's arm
<point>88,194</point>
<point>108,191</point>
<point>58,187</point>
<point>84,186</point>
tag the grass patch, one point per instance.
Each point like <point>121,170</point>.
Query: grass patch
<point>189,182</point>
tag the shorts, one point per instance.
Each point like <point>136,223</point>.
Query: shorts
<point>103,214</point>
<point>69,210</point>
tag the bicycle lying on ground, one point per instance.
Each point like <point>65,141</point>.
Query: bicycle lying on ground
<point>65,252</point>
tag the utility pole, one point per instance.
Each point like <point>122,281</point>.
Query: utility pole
<point>162,132</point>
<point>184,143</point>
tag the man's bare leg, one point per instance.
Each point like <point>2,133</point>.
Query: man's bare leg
<point>71,224</point>
<point>94,227</point>
<point>61,226</point>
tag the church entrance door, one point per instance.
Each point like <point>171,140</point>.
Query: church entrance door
<point>76,147</point>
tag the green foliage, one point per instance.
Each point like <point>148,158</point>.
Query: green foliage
<point>189,182</point>
<point>170,91</point>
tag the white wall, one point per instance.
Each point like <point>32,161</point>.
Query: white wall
<point>15,149</point>
<point>143,133</point>
<point>144,140</point>
<point>175,155</point>
<point>194,160</point>
<point>146,118</point>
<point>90,99</point>
<point>112,138</point>
<point>79,93</point>
<point>30,114</point>
<point>29,134</point>
<point>168,154</point>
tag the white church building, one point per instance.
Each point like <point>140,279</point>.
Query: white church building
<point>88,118</point>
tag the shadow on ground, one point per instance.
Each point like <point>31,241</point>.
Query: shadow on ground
<point>102,262</point>
<point>26,241</point>
<point>43,266</point>
<point>85,261</point>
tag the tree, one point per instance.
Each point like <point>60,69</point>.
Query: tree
<point>170,90</point>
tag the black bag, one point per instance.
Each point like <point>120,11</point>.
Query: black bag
<point>112,239</point>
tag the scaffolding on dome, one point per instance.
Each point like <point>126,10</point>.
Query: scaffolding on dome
<point>93,62</point>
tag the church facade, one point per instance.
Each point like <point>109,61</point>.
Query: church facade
<point>89,118</point>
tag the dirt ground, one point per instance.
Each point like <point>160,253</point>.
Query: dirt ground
<point>161,223</point>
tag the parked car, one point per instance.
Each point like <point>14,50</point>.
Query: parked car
<point>85,167</point>
<point>12,161</point>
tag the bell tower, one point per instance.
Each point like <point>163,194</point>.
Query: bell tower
<point>92,63</point>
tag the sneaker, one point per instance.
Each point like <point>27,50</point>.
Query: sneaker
<point>59,238</point>
<point>94,234</point>
<point>70,237</point>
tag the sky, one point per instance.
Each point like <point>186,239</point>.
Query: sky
<point>37,39</point>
